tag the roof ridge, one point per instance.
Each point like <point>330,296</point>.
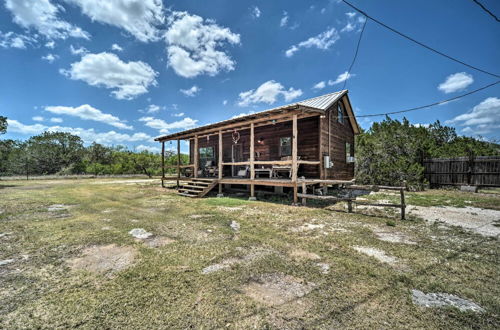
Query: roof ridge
<point>328,94</point>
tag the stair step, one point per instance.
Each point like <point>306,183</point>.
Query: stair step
<point>204,180</point>
<point>191,186</point>
<point>186,195</point>
<point>190,190</point>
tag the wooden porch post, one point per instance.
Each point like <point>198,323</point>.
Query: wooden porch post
<point>220,162</point>
<point>162,163</point>
<point>178,162</point>
<point>294,158</point>
<point>195,162</point>
<point>252,159</point>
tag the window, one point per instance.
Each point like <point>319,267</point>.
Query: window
<point>347,150</point>
<point>206,155</point>
<point>340,110</point>
<point>285,146</point>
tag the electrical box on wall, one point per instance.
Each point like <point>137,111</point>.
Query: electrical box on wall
<point>328,163</point>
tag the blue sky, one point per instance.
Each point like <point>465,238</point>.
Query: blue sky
<point>123,72</point>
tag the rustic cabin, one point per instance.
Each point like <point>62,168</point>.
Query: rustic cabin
<point>294,146</point>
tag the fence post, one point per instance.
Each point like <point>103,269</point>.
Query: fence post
<point>403,206</point>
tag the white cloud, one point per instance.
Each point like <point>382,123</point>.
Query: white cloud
<point>456,82</point>
<point>284,19</point>
<point>341,78</point>
<point>484,118</point>
<point>129,79</point>
<point>322,41</point>
<point>38,118</point>
<point>179,114</point>
<point>152,108</point>
<point>116,47</point>
<point>14,40</point>
<point>193,45</point>
<point>348,27</point>
<point>256,12</point>
<point>50,58</point>
<point>152,149</point>
<point>268,93</point>
<point>50,44</point>
<point>78,51</point>
<point>138,17</point>
<point>87,112</point>
<point>350,14</point>
<point>191,92</point>
<point>42,15</point>
<point>319,85</point>
<point>164,127</point>
<point>87,135</point>
<point>224,102</point>
<point>56,120</point>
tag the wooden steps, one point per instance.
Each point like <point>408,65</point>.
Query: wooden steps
<point>196,188</point>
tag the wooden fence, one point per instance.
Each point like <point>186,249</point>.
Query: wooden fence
<point>472,170</point>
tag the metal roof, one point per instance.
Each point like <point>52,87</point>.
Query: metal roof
<point>319,103</point>
<point>322,102</point>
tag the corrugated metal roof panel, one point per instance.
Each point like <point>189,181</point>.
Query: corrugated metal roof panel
<point>322,102</point>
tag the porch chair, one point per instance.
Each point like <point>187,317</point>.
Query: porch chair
<point>243,172</point>
<point>284,168</point>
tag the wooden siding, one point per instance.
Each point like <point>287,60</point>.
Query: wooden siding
<point>308,148</point>
<point>339,135</point>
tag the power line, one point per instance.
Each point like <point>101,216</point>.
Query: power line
<point>418,42</point>
<point>432,104</point>
<point>355,54</point>
<point>486,10</point>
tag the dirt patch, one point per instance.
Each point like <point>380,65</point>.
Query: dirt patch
<point>58,207</point>
<point>127,181</point>
<point>276,289</point>
<point>323,267</point>
<point>301,254</point>
<point>481,221</point>
<point>6,262</point>
<point>393,237</point>
<point>104,259</point>
<point>249,256</point>
<point>158,241</point>
<point>444,300</point>
<point>377,254</point>
<point>235,225</point>
<point>229,209</point>
<point>200,216</point>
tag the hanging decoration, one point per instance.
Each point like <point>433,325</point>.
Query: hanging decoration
<point>236,136</point>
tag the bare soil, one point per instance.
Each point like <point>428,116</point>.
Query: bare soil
<point>104,259</point>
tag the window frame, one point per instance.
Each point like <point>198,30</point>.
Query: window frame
<point>340,112</point>
<point>204,156</point>
<point>282,138</point>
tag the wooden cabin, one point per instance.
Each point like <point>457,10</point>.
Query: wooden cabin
<point>310,142</point>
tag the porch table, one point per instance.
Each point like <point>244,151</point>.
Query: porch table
<point>267,171</point>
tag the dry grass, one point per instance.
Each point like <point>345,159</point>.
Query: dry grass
<point>275,276</point>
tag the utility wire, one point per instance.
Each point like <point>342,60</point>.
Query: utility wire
<point>355,54</point>
<point>418,42</point>
<point>432,104</point>
<point>486,10</point>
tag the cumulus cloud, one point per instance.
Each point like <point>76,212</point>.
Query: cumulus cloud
<point>256,12</point>
<point>484,118</point>
<point>152,108</point>
<point>322,41</point>
<point>50,58</point>
<point>340,78</point>
<point>116,47</point>
<point>87,135</point>
<point>456,82</point>
<point>191,92</point>
<point>350,14</point>
<point>128,79</point>
<point>284,19</point>
<point>194,45</point>
<point>163,127</point>
<point>78,51</point>
<point>14,40</point>
<point>138,17</point>
<point>87,112</point>
<point>152,149</point>
<point>50,44</point>
<point>268,93</point>
<point>179,114</point>
<point>38,118</point>
<point>224,102</point>
<point>42,15</point>
<point>56,120</point>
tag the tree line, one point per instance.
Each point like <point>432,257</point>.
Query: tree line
<point>392,151</point>
<point>62,153</point>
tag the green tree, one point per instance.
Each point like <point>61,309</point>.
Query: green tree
<point>3,124</point>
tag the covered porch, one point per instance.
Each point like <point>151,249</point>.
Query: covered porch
<point>274,148</point>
